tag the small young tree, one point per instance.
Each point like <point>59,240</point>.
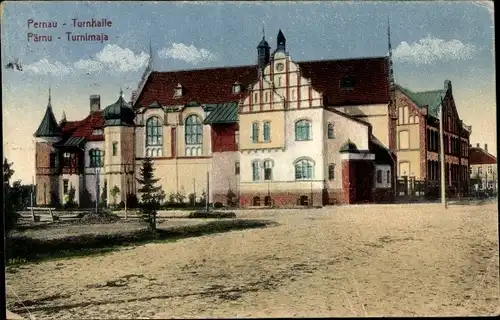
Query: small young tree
<point>104,195</point>
<point>10,197</point>
<point>151,194</point>
<point>114,193</point>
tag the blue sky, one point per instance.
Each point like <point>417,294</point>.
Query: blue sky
<point>432,42</point>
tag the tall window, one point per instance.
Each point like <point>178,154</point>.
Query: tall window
<point>236,138</point>
<point>194,130</point>
<point>65,186</point>
<point>52,159</point>
<point>115,148</point>
<point>267,131</point>
<point>255,171</point>
<point>154,130</point>
<point>303,130</point>
<point>237,167</point>
<point>388,177</point>
<point>379,176</point>
<point>268,170</point>
<point>255,132</point>
<point>303,169</point>
<point>331,172</point>
<point>67,159</point>
<point>96,158</point>
<point>331,131</point>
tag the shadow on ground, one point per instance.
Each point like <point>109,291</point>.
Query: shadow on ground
<point>25,249</point>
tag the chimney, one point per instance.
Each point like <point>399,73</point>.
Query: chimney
<point>485,147</point>
<point>477,145</point>
<point>95,103</point>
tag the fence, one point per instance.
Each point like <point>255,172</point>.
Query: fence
<point>410,188</point>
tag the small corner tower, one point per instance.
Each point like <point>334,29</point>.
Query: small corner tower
<point>263,52</point>
<point>119,141</point>
<point>46,158</point>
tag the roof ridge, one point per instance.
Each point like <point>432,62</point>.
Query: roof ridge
<point>255,65</point>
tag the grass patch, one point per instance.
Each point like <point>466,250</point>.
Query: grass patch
<point>22,249</point>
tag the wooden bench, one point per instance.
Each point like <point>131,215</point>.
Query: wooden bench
<point>44,209</point>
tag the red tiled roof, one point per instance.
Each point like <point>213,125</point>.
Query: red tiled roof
<point>479,156</point>
<point>85,127</point>
<point>214,85</point>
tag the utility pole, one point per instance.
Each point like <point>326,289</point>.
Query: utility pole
<point>442,157</point>
<point>32,196</point>
<point>208,192</point>
<point>97,190</point>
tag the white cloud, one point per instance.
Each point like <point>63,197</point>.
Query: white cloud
<point>189,54</point>
<point>111,57</point>
<point>429,50</point>
<point>44,66</point>
<point>114,58</point>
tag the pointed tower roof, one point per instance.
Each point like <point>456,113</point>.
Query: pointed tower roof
<point>48,127</point>
<point>63,118</point>
<point>280,42</point>
<point>263,43</point>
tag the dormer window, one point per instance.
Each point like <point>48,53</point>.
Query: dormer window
<point>347,82</point>
<point>97,132</point>
<point>236,88</point>
<point>178,91</point>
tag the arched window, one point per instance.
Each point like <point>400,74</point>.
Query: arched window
<point>388,177</point>
<point>255,171</point>
<point>331,131</point>
<point>96,158</point>
<point>194,130</point>
<point>266,97</point>
<point>255,132</point>
<point>379,176</point>
<point>304,169</point>
<point>115,148</point>
<point>154,130</point>
<point>303,130</point>
<point>267,131</point>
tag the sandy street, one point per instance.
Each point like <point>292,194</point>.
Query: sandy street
<point>375,260</point>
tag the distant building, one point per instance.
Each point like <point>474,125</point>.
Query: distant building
<point>279,133</point>
<point>483,168</point>
<point>418,139</point>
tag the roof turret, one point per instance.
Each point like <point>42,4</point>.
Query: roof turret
<point>119,113</point>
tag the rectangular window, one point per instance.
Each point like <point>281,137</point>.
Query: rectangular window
<point>267,131</point>
<point>237,167</point>
<point>268,171</point>
<point>379,176</point>
<point>65,186</point>
<point>255,132</point>
<point>255,171</point>
<point>331,172</point>
<point>236,138</point>
<point>490,169</point>
<point>52,160</point>
<point>115,148</point>
<point>67,159</point>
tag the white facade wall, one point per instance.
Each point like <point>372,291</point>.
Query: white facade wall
<point>89,181</point>
<point>284,169</point>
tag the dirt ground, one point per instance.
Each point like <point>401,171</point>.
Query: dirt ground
<point>383,260</point>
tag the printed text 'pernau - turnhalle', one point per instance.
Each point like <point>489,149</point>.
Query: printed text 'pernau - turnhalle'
<point>70,36</point>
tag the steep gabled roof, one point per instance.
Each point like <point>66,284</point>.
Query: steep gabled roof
<point>432,99</point>
<point>480,156</point>
<point>85,127</point>
<point>214,85</point>
<point>223,113</point>
<point>48,127</point>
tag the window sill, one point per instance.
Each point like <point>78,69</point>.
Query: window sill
<point>303,140</point>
